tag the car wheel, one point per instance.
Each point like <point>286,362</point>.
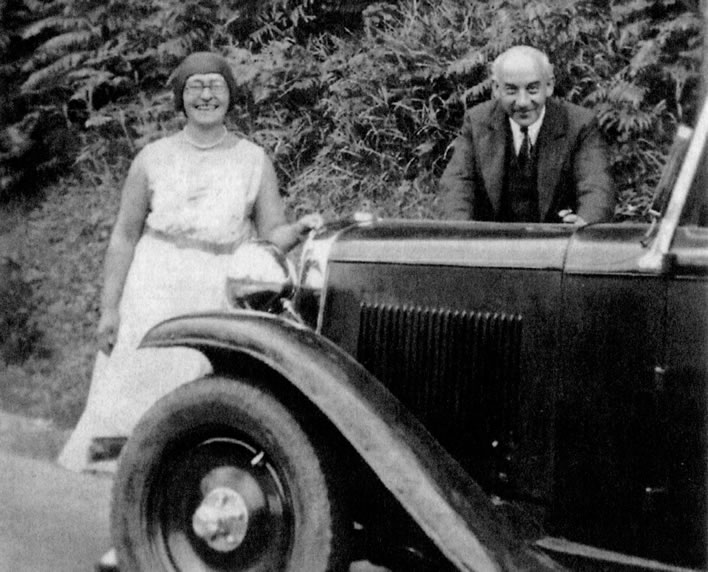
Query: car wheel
<point>220,475</point>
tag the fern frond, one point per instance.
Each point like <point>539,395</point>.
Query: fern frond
<point>477,92</point>
<point>629,10</point>
<point>694,54</point>
<point>346,6</point>
<point>87,76</point>
<point>68,41</point>
<point>648,55</point>
<point>687,22</point>
<point>176,47</point>
<point>36,62</point>
<point>467,64</point>
<point>38,7</point>
<point>53,71</point>
<point>55,24</point>
<point>627,92</point>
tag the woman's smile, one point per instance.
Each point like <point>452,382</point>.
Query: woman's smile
<point>206,99</point>
<point>207,106</point>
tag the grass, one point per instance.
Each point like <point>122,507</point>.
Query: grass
<point>59,245</point>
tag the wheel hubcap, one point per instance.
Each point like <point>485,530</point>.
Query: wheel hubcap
<point>221,505</point>
<point>221,520</point>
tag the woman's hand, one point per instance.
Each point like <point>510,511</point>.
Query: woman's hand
<point>286,236</point>
<point>108,330</point>
<point>308,222</point>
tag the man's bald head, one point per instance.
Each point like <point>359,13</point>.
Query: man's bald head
<point>522,80</point>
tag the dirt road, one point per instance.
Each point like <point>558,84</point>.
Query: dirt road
<point>52,520</point>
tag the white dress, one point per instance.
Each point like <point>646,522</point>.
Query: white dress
<point>201,203</point>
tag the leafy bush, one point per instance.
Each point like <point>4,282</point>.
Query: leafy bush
<point>366,121</point>
<point>365,116</point>
<point>76,56</point>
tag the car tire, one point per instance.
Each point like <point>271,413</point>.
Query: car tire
<point>233,444</point>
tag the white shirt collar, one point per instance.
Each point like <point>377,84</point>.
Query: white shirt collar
<point>534,128</point>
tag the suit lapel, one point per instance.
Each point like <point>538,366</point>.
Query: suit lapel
<point>492,147</point>
<point>551,147</point>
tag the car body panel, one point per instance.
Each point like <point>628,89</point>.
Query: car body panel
<point>473,379</point>
<point>447,504</point>
<point>540,246</point>
<point>682,412</point>
<point>586,424</point>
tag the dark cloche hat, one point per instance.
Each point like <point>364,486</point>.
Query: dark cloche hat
<point>197,63</point>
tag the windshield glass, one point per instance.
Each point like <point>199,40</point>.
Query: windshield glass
<point>695,211</point>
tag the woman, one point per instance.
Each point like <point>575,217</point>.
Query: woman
<point>187,201</point>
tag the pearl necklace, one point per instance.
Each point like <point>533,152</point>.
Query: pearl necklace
<point>203,146</point>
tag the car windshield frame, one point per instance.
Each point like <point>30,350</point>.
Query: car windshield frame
<point>655,259</point>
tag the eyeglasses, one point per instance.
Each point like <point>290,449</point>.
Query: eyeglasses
<point>196,87</point>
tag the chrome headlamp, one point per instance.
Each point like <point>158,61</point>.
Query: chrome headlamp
<point>259,277</point>
<point>313,268</point>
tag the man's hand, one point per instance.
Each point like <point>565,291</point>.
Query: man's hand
<point>569,217</point>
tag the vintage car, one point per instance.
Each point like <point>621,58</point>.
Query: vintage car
<point>439,396</point>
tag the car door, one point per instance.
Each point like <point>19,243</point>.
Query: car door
<point>680,488</point>
<point>631,434</point>
<point>612,331</point>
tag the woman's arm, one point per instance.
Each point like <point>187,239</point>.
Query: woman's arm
<point>271,223</point>
<point>126,232</point>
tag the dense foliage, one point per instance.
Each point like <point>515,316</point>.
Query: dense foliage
<point>362,117</point>
<point>357,102</point>
<point>358,114</point>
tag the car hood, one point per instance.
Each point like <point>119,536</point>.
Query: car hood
<point>608,247</point>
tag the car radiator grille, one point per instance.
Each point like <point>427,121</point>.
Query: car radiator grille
<point>457,371</point>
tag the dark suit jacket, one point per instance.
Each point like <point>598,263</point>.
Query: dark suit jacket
<point>573,167</point>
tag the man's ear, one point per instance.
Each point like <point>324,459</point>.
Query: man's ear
<point>550,84</point>
<point>496,91</point>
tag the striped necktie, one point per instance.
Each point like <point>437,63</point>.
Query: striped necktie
<point>525,149</point>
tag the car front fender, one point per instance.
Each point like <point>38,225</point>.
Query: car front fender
<point>432,487</point>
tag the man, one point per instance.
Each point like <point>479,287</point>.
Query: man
<point>524,157</point>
